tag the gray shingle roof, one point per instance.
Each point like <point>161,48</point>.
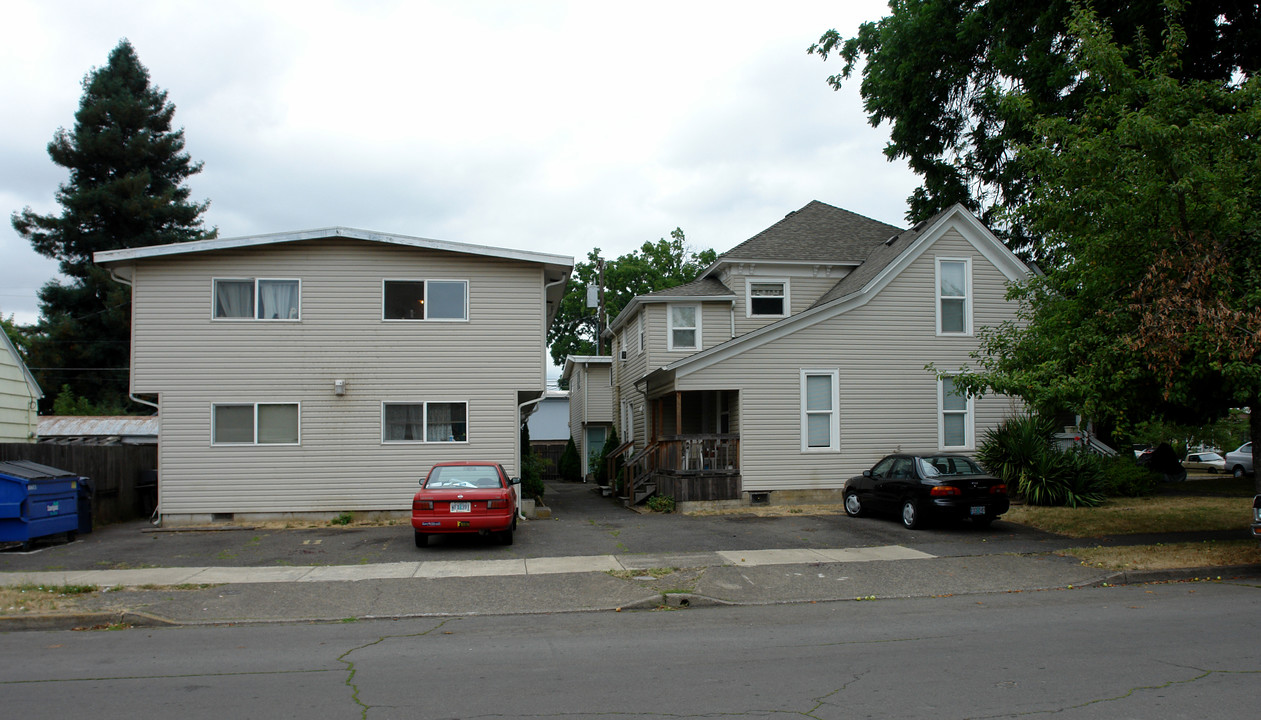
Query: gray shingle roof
<point>817,232</point>
<point>704,287</point>
<point>877,259</point>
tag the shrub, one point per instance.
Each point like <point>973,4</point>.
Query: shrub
<point>532,467</point>
<point>604,474</point>
<point>570,464</point>
<point>1122,477</point>
<point>1020,452</point>
<point>661,503</point>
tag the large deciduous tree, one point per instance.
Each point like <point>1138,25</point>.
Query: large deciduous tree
<point>655,266</point>
<point>1148,207</point>
<point>126,189</point>
<point>937,71</point>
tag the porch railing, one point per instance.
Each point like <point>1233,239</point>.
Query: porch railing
<point>714,452</point>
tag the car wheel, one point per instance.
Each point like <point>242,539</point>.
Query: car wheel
<point>982,522</point>
<point>1238,471</point>
<point>853,506</point>
<point>422,539</point>
<point>505,537</point>
<point>911,515</point>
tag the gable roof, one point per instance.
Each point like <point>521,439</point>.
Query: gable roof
<point>706,288</point>
<point>817,232</point>
<point>573,361</point>
<point>8,346</point>
<point>888,260</point>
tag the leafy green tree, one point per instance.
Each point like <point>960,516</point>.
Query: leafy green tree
<point>18,335</point>
<point>655,266</point>
<point>126,189</point>
<point>938,70</point>
<point>1148,205</point>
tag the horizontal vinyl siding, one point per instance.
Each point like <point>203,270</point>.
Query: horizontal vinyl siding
<point>888,401</point>
<point>803,292</point>
<point>17,418</point>
<point>598,394</point>
<point>192,361</point>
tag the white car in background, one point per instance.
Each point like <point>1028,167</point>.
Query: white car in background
<point>1205,462</point>
<point>1239,462</point>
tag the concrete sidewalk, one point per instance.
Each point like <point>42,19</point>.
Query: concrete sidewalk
<point>455,568</point>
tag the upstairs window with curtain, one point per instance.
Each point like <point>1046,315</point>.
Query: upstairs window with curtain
<point>257,299</point>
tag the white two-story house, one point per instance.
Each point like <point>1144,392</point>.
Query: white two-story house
<point>324,371</point>
<point>800,357</point>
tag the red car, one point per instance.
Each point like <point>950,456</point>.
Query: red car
<point>465,497</point>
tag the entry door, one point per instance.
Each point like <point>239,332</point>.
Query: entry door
<point>595,443</point>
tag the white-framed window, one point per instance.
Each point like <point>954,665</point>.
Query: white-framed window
<point>257,299</point>
<point>955,425</point>
<point>685,327</point>
<point>820,411</point>
<point>435,300</point>
<point>424,422</point>
<point>954,296</point>
<point>765,298</point>
<point>255,424</point>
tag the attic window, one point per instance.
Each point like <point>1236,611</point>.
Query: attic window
<point>767,298</point>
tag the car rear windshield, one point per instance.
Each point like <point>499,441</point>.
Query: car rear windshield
<point>942,465</point>
<point>463,476</point>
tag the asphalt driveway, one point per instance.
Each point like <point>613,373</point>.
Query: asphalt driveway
<point>582,523</point>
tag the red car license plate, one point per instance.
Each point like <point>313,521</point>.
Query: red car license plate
<point>461,507</point>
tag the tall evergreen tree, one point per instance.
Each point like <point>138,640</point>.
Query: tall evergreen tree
<point>126,189</point>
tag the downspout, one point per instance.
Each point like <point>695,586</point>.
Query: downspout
<point>520,408</point>
<point>156,518</point>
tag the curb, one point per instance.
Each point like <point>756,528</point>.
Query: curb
<point>82,621</point>
<point>1139,577</point>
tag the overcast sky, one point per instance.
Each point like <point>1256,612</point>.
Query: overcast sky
<point>547,126</point>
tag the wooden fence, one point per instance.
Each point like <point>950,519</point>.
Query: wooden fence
<point>123,478</point>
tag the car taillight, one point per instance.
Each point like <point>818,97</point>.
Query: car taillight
<point>422,504</point>
<point>492,504</point>
<point>999,489</point>
<point>944,491</point>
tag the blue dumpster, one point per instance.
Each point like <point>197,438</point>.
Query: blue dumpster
<point>37,501</point>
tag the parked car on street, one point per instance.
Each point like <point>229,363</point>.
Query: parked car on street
<point>465,497</point>
<point>919,487</point>
<point>1205,462</point>
<point>1239,462</point>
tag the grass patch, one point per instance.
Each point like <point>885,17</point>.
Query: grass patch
<point>655,573</point>
<point>1134,516</point>
<point>19,599</point>
<point>1169,556</point>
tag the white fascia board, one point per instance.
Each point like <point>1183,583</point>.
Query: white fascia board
<point>196,246</point>
<point>573,361</point>
<point>959,217</point>
<point>31,383</point>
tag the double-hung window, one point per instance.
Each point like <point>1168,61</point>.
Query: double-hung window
<point>257,299</point>
<point>430,422</point>
<point>766,298</point>
<point>685,327</point>
<point>955,425</point>
<point>954,296</point>
<point>820,411</point>
<point>425,300</point>
<point>254,424</point>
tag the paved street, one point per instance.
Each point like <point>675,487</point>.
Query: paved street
<point>1181,650</point>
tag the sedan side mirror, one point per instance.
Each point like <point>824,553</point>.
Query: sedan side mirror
<point>866,473</point>
<point>515,480</point>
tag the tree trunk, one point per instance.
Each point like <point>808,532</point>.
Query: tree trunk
<point>1254,434</point>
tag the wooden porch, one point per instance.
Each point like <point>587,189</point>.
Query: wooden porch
<point>693,453</point>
